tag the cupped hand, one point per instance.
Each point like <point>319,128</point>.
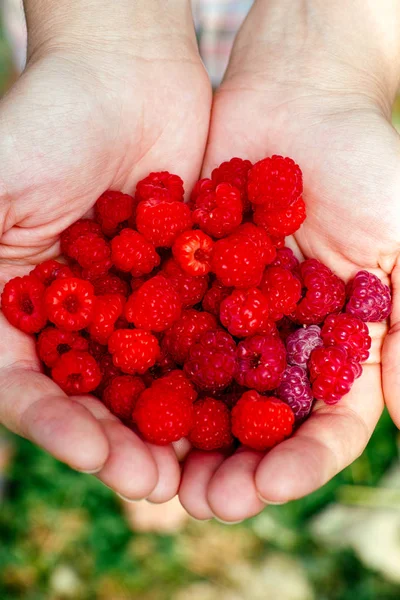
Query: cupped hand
<point>87,116</point>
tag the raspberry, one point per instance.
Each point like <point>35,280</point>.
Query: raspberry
<point>278,242</point>
<point>350,333</point>
<point>95,349</point>
<point>237,262</point>
<point>161,183</point>
<point>49,270</point>
<point>285,327</point>
<point>281,223</point>
<point>22,303</point>
<point>192,250</point>
<point>235,172</point>
<point>178,382</point>
<point>163,418</point>
<point>261,423</point>
<point>214,296</point>
<point>301,343</point>
<point>52,343</point>
<point>368,298</point>
<point>121,394</point>
<point>261,362</point>
<point>295,390</point>
<point>244,312</point>
<point>163,365</point>
<point>74,231</point>
<point>190,289</point>
<point>92,252</point>
<point>218,212</point>
<point>231,394</point>
<point>324,293</point>
<point>185,332</point>
<point>275,182</point>
<point>108,372</point>
<point>130,251</point>
<point>107,309</point>
<point>283,291</point>
<point>133,350</point>
<point>201,187</point>
<point>76,372</point>
<point>162,221</point>
<point>212,425</point>
<point>285,259</point>
<point>112,210</point>
<point>332,373</point>
<point>211,363</point>
<point>110,284</point>
<point>260,238</point>
<point>69,303</point>
<point>154,306</point>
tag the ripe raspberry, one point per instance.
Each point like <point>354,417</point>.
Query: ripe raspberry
<point>211,363</point>
<point>261,239</point>
<point>160,184</point>
<point>214,296</point>
<point>69,303</point>
<point>178,382</point>
<point>235,172</point>
<point>285,259</point>
<point>237,262</point>
<point>219,212</point>
<point>190,289</point>
<point>192,250</point>
<point>130,251</point>
<point>163,418</point>
<point>110,284</point>
<point>108,372</point>
<point>301,343</point>
<point>185,332</point>
<point>261,362</point>
<point>76,373</point>
<point>121,394</point>
<point>276,182</point>
<point>93,253</point>
<point>283,291</point>
<point>295,390</point>
<point>261,423</point>
<point>154,306</point>
<point>107,310</point>
<point>133,350</point>
<point>278,242</point>
<point>52,343</point>
<point>244,312</point>
<point>161,221</point>
<point>281,223</point>
<point>324,293</point>
<point>332,373</point>
<point>22,303</point>
<point>49,270</point>
<point>350,333</point>
<point>74,231</point>
<point>212,425</point>
<point>112,210</point>
<point>368,298</point>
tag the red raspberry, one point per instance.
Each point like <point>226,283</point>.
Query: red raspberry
<point>154,306</point>
<point>92,252</point>
<point>231,394</point>
<point>163,418</point>
<point>219,212</point>
<point>163,365</point>
<point>190,289</point>
<point>237,262</point>
<point>261,362</point>
<point>185,332</point>
<point>162,183</point>
<point>130,251</point>
<point>74,231</point>
<point>201,187</point>
<point>211,363</point>
<point>108,371</point>
<point>192,250</point>
<point>76,373</point>
<point>300,344</point>
<point>285,327</point>
<point>110,284</point>
<point>49,270</point>
<point>107,310</point>
<point>161,221</point>
<point>22,303</point>
<point>178,382</point>
<point>214,296</point>
<point>324,293</point>
<point>133,350</point>
<point>235,172</point>
<point>112,210</point>
<point>332,373</point>
<point>52,343</point>
<point>69,303</point>
<point>260,238</point>
<point>348,332</point>
<point>121,394</point>
<point>212,425</point>
<point>283,291</point>
<point>295,390</point>
<point>261,423</point>
<point>95,349</point>
<point>368,298</point>
<point>276,182</point>
<point>281,223</point>
<point>244,312</point>
<point>278,242</point>
<point>285,259</point>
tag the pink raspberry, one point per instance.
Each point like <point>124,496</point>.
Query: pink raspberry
<point>368,298</point>
<point>211,363</point>
<point>282,289</point>
<point>185,332</point>
<point>295,390</point>
<point>332,373</point>
<point>276,182</point>
<point>218,212</point>
<point>301,343</point>
<point>350,333</point>
<point>244,312</point>
<point>285,259</point>
<point>191,289</point>
<point>261,362</point>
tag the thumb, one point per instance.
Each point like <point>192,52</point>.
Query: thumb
<point>391,352</point>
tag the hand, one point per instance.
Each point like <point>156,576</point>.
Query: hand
<point>107,97</point>
<point>284,93</point>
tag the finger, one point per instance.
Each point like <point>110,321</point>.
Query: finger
<point>391,353</point>
<point>169,473</point>
<point>182,448</point>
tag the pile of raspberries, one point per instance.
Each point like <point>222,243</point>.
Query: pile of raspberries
<point>193,319</point>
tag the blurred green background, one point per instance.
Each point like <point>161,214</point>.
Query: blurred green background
<point>64,535</point>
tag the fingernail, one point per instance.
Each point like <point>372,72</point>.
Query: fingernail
<point>129,500</point>
<point>228,522</point>
<point>92,472</point>
<point>269,502</point>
